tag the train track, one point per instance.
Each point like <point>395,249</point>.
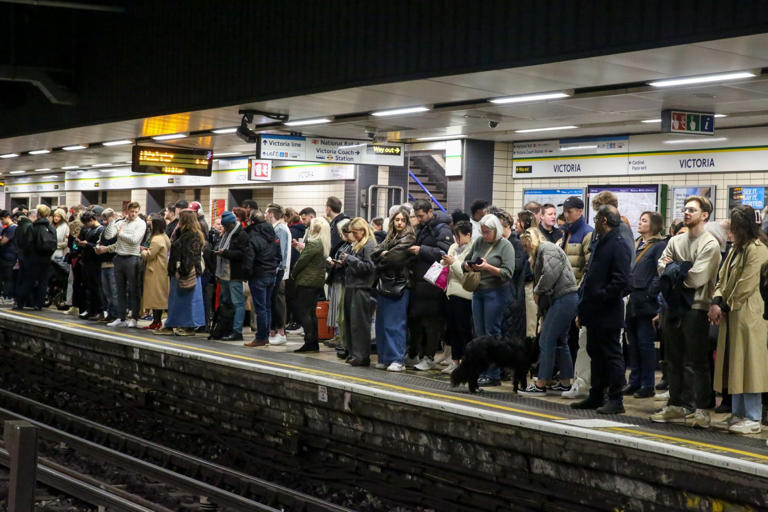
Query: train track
<point>227,488</point>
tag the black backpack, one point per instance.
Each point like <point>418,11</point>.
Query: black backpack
<point>46,241</point>
<point>223,320</point>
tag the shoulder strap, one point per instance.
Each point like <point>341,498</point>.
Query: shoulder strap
<point>647,246</point>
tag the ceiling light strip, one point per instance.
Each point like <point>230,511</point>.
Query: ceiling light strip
<point>695,141</point>
<point>171,136</point>
<point>547,129</point>
<point>400,111</point>
<point>524,98</point>
<point>308,122</point>
<point>703,79</point>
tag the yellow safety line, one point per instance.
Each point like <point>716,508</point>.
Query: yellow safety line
<point>688,441</point>
<point>300,368</point>
<point>399,388</point>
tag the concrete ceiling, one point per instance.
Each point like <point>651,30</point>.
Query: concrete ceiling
<point>611,97</point>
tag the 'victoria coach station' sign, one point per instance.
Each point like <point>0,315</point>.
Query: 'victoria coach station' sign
<point>321,149</point>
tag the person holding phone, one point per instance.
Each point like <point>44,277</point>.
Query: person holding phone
<point>494,257</point>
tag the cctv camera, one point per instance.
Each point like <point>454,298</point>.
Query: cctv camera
<point>493,124</point>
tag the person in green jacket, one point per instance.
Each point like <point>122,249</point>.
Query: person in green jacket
<point>308,275</point>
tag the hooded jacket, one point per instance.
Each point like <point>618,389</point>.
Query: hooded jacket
<point>433,239</point>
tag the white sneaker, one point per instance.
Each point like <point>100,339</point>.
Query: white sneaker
<point>380,366</point>
<point>117,323</point>
<point>131,324</point>
<point>578,389</point>
<point>661,397</point>
<point>449,369</point>
<point>396,367</point>
<point>746,426</point>
<point>425,364</point>
<point>277,339</point>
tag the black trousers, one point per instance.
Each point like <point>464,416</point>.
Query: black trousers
<point>305,309</point>
<point>424,334</point>
<point>6,279</point>
<point>358,309</point>
<point>604,348</point>
<point>33,282</point>
<point>92,282</point>
<point>687,349</point>
<point>278,303</point>
<point>458,320</point>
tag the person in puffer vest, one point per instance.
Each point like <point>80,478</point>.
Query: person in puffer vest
<point>577,236</point>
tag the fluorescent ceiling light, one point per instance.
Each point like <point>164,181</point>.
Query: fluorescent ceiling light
<point>307,122</point>
<point>720,77</point>
<point>75,147</point>
<point>171,136</point>
<point>40,152</point>
<point>571,148</point>
<point>51,177</point>
<point>400,111</point>
<point>228,154</point>
<point>101,165</point>
<point>651,121</point>
<point>551,128</point>
<point>67,167</point>
<point>531,97</point>
<point>17,172</point>
<point>721,115</point>
<point>694,141</point>
<point>442,137</point>
<point>9,155</point>
<point>222,131</point>
<point>117,142</point>
<point>43,169</point>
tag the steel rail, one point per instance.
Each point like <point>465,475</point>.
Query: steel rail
<point>281,494</point>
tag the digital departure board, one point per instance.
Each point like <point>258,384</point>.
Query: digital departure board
<point>178,161</point>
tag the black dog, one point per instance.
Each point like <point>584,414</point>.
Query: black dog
<point>482,352</point>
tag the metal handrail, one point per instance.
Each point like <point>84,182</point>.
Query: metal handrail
<point>429,194</point>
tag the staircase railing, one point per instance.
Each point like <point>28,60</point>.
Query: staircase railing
<point>429,194</point>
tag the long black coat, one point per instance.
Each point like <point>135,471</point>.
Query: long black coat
<point>605,283</point>
<point>434,239</point>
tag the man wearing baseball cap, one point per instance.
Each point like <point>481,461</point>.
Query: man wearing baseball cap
<point>577,237</point>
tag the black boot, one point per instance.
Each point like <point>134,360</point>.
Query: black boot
<point>308,347</point>
<point>588,403</point>
<point>611,407</point>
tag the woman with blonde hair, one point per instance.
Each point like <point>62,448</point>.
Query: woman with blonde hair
<point>308,275</point>
<point>62,235</point>
<point>186,311</point>
<point>358,303</point>
<point>554,291</point>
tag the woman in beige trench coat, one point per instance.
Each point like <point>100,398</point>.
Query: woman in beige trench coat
<point>741,365</point>
<point>156,281</point>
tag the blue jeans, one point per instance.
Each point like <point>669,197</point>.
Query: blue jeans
<point>391,328</point>
<point>747,405</point>
<point>488,307</point>
<point>552,339</point>
<point>232,294</point>
<point>642,352</point>
<point>261,293</point>
<point>109,290</point>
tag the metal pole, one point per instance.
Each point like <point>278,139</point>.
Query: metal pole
<point>21,444</point>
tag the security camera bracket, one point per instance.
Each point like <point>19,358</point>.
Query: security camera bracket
<point>249,113</point>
